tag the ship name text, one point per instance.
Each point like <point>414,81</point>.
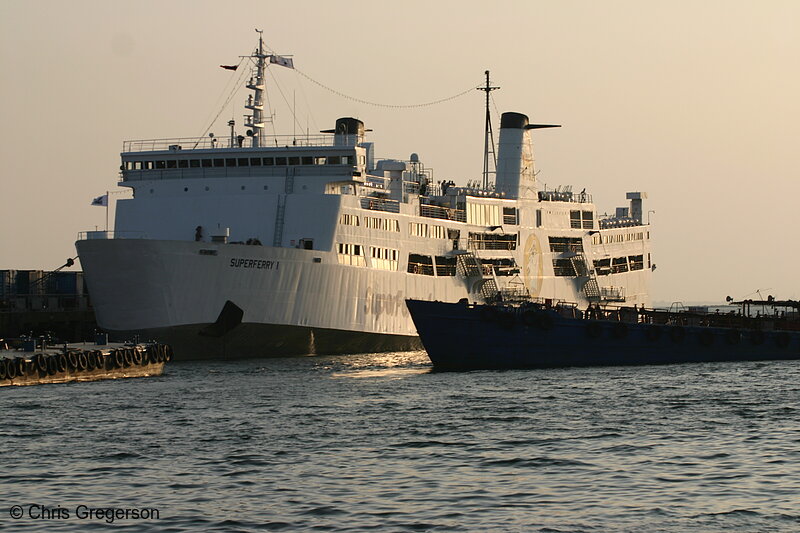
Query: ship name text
<point>261,264</point>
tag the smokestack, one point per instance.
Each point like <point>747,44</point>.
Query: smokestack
<point>515,169</point>
<point>515,174</point>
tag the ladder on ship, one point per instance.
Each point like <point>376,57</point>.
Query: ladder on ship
<point>280,214</point>
<point>591,289</point>
<point>470,267</point>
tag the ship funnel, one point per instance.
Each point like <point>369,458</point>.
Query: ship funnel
<point>516,177</point>
<point>348,131</point>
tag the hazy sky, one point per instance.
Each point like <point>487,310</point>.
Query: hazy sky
<point>695,102</point>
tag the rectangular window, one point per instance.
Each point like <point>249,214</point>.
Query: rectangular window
<point>602,267</point>
<point>334,160</point>
<point>255,161</point>
<point>243,162</point>
<point>416,229</point>
<point>183,163</point>
<point>383,258</point>
<point>219,163</point>
<point>307,160</point>
<point>588,220</point>
<point>294,160</point>
<point>351,254</point>
<point>619,265</point>
<point>492,241</point>
<point>348,220</point>
<point>206,163</point>
<point>161,165</point>
<point>420,264</point>
<point>348,160</point>
<point>319,160</point>
<point>563,267</point>
<point>445,266</point>
<point>437,232</point>
<point>172,164</point>
<point>636,262</point>
<point>230,162</point>
<point>575,219</point>
<point>566,244</point>
<point>510,215</point>
<point>538,218</point>
<point>279,161</point>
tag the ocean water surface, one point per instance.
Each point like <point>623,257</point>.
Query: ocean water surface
<point>380,442</point>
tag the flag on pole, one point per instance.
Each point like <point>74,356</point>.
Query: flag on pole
<point>230,67</point>
<point>101,201</point>
<point>282,61</point>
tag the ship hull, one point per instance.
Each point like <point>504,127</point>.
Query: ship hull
<point>193,342</point>
<point>249,301</point>
<point>461,337</point>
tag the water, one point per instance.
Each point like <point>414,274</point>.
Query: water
<point>379,442</point>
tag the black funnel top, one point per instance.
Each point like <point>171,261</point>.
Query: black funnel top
<point>516,121</point>
<point>347,126</point>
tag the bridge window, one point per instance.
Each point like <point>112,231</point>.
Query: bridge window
<point>230,162</point>
<point>161,165</point>
<point>207,163</point>
<point>279,161</point>
<point>183,163</point>
<point>219,162</point>
<point>294,160</point>
<point>334,160</point>
<point>255,161</point>
<point>172,164</point>
<point>307,160</point>
<point>243,162</point>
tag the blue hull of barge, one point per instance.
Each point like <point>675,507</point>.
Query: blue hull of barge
<point>459,336</point>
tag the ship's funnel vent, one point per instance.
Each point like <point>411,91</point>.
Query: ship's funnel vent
<point>515,121</point>
<point>515,172</point>
<point>348,131</point>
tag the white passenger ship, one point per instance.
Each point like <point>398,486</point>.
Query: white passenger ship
<point>262,245</point>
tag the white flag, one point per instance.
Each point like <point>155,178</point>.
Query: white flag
<point>282,61</point>
<point>101,200</point>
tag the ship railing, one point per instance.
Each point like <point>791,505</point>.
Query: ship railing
<point>612,294</point>
<point>176,144</point>
<point>565,196</point>
<point>107,235</point>
<point>444,213</point>
<point>380,204</point>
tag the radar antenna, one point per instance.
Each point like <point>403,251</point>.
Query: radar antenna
<point>488,137</point>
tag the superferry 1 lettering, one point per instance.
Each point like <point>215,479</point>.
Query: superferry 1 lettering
<point>261,264</point>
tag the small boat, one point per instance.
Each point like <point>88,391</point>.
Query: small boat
<point>540,334</point>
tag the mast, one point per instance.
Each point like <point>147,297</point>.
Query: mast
<point>256,101</point>
<point>488,136</point>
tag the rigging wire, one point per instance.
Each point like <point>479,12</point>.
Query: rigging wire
<point>376,104</point>
<point>234,90</point>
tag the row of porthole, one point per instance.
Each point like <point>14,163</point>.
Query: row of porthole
<point>186,189</point>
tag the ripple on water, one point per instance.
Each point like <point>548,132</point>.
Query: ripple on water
<point>357,443</point>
